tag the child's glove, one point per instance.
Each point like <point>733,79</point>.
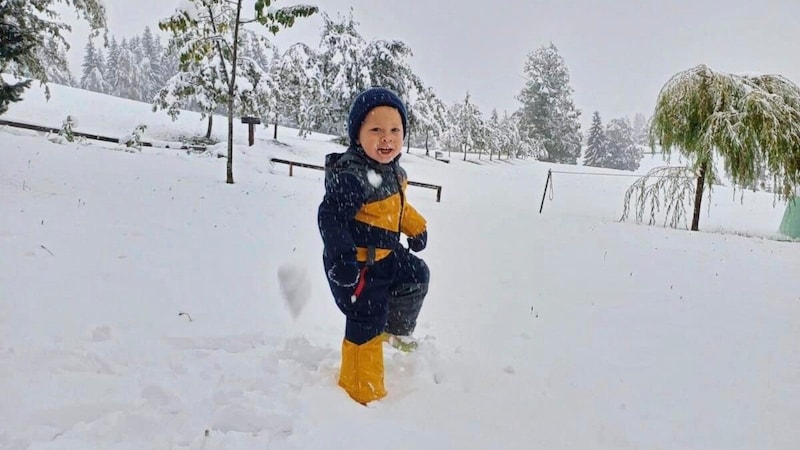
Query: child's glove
<point>344,274</point>
<point>418,242</point>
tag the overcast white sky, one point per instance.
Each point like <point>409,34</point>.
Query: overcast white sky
<point>619,52</point>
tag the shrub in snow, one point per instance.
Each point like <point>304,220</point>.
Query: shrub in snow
<point>66,129</point>
<point>135,138</point>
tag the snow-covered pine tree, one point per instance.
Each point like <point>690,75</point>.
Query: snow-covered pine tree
<point>93,73</point>
<point>639,129</point>
<point>519,144</point>
<point>30,24</point>
<point>388,66</point>
<point>257,48</point>
<point>14,45</point>
<point>152,54</point>
<point>208,33</point>
<point>112,67</point>
<point>131,77</point>
<point>469,126</point>
<point>343,71</point>
<point>54,60</point>
<point>429,115</point>
<point>548,114</point>
<point>297,87</point>
<point>494,134</point>
<point>595,143</point>
<point>621,153</point>
<point>509,143</point>
<point>258,96</point>
<point>168,66</point>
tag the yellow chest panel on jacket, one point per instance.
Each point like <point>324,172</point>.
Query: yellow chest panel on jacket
<point>384,213</point>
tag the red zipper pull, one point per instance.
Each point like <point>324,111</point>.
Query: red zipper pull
<point>362,280</point>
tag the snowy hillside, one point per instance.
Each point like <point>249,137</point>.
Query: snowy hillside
<point>140,307</point>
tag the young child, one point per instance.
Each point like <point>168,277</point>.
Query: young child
<point>376,282</point>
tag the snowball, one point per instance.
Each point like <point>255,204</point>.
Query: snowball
<point>295,286</point>
<point>374,178</point>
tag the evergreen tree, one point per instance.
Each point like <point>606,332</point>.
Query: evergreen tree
<point>168,65</point>
<point>639,129</point>
<point>297,87</point>
<point>348,64</point>
<point>13,46</point>
<point>95,82</point>
<point>596,143</point>
<point>621,153</point>
<point>469,126</point>
<point>94,70</point>
<point>54,60</point>
<point>28,25</point>
<point>428,114</point>
<point>548,114</point>
<point>258,96</point>
<point>494,134</point>
<point>112,67</point>
<point>509,143</point>
<point>130,76</point>
<point>517,143</point>
<point>344,73</point>
<point>150,61</point>
<point>389,66</point>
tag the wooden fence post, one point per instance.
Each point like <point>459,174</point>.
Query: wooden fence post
<point>251,128</point>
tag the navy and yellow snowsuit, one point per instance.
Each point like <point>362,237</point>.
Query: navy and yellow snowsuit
<point>361,219</point>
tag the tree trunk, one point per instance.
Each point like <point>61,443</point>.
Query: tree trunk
<point>232,92</point>
<point>275,129</point>
<point>210,125</point>
<point>427,152</point>
<point>698,197</point>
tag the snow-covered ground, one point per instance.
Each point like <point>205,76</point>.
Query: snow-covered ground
<point>140,305</point>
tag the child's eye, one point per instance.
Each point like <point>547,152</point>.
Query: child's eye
<point>396,130</point>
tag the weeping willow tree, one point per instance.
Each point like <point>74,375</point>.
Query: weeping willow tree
<point>751,123</point>
<point>662,188</point>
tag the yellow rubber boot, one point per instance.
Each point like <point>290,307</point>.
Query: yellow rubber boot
<point>361,374</point>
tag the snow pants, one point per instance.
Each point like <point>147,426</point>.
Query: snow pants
<point>389,298</point>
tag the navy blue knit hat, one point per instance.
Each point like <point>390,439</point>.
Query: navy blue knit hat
<point>369,99</point>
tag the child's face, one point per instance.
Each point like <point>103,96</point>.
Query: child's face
<point>381,134</point>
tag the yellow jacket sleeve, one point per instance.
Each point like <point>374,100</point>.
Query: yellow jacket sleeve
<point>413,223</point>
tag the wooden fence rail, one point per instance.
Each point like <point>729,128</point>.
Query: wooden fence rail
<point>292,164</point>
<point>96,137</point>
